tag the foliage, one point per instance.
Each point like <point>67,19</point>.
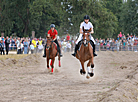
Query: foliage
<point>108,17</point>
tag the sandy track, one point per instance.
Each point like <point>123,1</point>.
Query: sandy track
<point>115,80</point>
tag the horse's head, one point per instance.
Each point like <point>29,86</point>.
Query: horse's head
<point>86,34</point>
<point>49,43</point>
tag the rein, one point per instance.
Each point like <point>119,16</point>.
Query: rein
<point>50,47</point>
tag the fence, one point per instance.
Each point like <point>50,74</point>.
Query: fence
<point>117,48</point>
<point>102,48</point>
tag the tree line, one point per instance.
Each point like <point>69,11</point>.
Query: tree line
<point>109,17</point>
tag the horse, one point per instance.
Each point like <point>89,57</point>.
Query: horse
<point>51,53</point>
<point>86,54</point>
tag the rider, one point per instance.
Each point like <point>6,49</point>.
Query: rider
<point>87,25</point>
<point>53,33</point>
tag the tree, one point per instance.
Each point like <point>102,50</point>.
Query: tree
<point>129,17</point>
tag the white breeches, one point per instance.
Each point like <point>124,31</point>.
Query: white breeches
<point>80,38</point>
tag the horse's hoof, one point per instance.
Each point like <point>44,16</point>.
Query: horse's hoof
<point>48,69</point>
<point>51,72</point>
<point>81,72</point>
<point>84,72</point>
<point>91,74</point>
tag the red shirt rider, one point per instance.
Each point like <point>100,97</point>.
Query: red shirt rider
<point>52,34</point>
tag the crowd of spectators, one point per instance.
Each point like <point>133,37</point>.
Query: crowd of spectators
<point>35,45</point>
<point>21,45</point>
<point>122,43</point>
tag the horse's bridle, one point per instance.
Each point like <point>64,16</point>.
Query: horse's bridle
<point>48,47</point>
<point>85,41</point>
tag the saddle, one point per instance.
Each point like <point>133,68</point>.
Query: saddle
<point>80,43</point>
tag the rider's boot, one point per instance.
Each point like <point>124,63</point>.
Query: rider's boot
<point>94,50</point>
<point>93,45</point>
<point>59,52</point>
<point>44,52</point>
<point>76,48</point>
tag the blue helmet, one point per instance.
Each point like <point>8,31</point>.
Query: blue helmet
<point>86,17</point>
<point>52,26</point>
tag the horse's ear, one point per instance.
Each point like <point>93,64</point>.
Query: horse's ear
<point>90,30</point>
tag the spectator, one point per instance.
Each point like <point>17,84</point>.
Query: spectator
<point>32,48</point>
<point>26,45</point>
<point>68,45</point>
<point>117,44</point>
<point>40,46</point>
<point>10,45</point>
<point>68,37</point>
<point>120,35</point>
<point>64,45</point>
<point>108,46</point>
<point>2,47</point>
<point>7,42</point>
<point>35,46</point>
<point>19,48</point>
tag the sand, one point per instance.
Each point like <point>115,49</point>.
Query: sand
<point>28,80</point>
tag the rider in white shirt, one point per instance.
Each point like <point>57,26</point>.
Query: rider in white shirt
<point>87,25</point>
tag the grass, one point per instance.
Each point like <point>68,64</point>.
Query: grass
<point>17,57</point>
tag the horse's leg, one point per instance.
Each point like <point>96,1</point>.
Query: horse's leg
<point>82,64</point>
<point>48,65</point>
<point>52,66</point>
<point>59,61</point>
<point>92,67</point>
<point>88,69</point>
<point>81,69</point>
<point>92,64</point>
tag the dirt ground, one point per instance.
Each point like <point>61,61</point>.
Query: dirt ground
<point>28,80</point>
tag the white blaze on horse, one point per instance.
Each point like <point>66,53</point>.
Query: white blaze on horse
<point>86,54</point>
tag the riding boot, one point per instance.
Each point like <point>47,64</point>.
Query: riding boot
<point>44,52</point>
<point>76,48</point>
<point>94,50</point>
<point>59,52</point>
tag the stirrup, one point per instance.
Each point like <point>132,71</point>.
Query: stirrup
<point>44,55</point>
<point>94,54</point>
<point>60,55</point>
<point>74,54</point>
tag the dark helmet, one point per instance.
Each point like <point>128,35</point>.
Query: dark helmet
<point>52,26</point>
<point>86,17</point>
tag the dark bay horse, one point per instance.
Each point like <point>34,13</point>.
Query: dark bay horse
<point>86,54</point>
<point>51,53</point>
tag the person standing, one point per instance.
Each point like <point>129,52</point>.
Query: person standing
<point>2,47</point>
<point>68,37</point>
<point>35,46</point>
<point>7,42</point>
<point>26,45</point>
<point>19,47</point>
<point>32,48</point>
<point>40,46</point>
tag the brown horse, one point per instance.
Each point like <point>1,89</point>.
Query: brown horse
<point>86,54</point>
<point>51,53</point>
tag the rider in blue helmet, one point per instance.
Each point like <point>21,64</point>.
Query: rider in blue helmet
<point>87,25</point>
